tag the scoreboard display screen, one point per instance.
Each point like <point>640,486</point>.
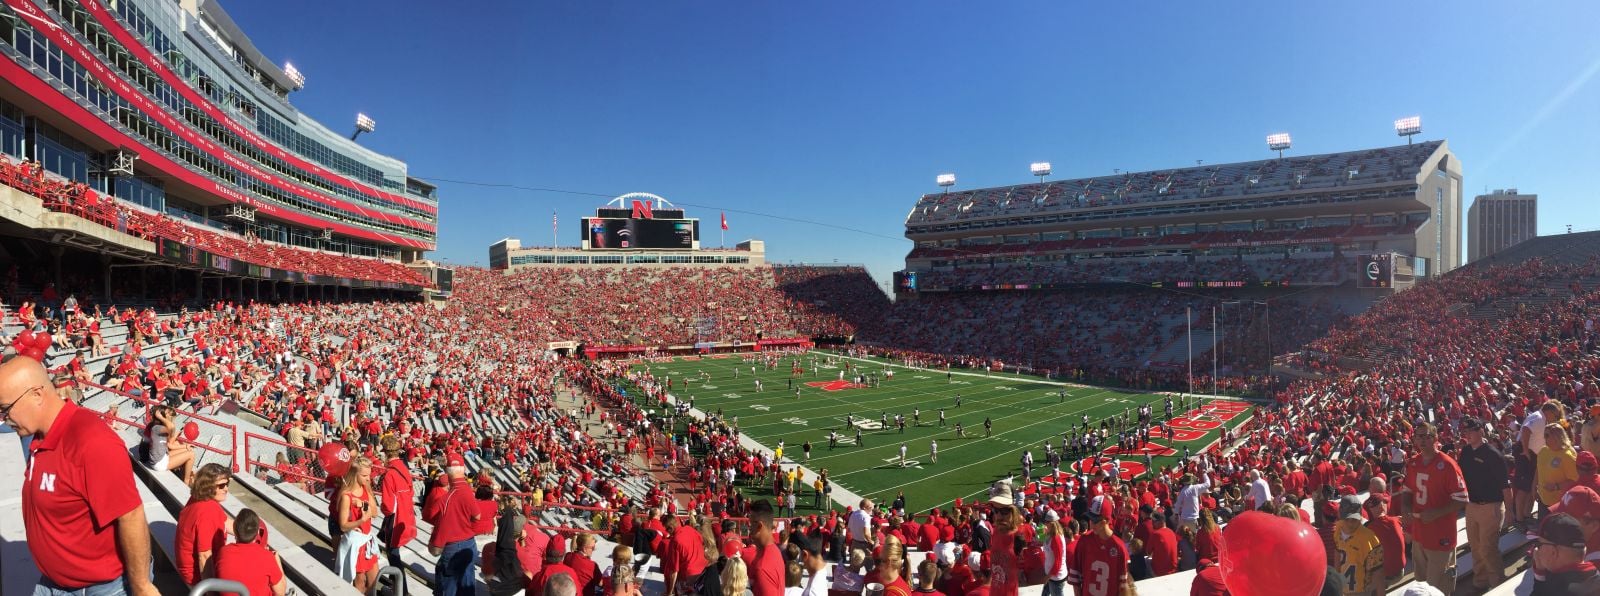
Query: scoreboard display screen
<point>1376,271</point>
<point>608,233</point>
<point>905,281</point>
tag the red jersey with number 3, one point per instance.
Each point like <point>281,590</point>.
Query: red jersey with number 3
<point>1099,565</point>
<point>1432,484</point>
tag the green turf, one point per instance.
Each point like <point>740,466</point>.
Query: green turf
<point>1026,411</point>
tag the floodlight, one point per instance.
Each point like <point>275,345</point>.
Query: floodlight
<point>294,75</point>
<point>363,124</point>
<point>1278,141</point>
<point>1408,126</point>
<point>1040,168</point>
<point>945,180</point>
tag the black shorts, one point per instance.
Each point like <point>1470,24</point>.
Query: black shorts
<point>1522,472</point>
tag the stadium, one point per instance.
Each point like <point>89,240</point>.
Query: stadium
<point>1156,382</point>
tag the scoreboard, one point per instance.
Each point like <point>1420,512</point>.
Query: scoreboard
<point>1375,271</point>
<point>620,233</point>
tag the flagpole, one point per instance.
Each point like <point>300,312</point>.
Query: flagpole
<point>1188,317</point>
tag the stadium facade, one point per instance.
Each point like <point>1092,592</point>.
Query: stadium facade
<point>1403,201</point>
<point>169,108</point>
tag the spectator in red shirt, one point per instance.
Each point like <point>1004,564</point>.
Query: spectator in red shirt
<point>552,567</point>
<point>685,558</point>
<point>452,534</point>
<point>1439,494</point>
<point>1390,535</point>
<point>1208,580</point>
<point>766,569</point>
<point>249,562</point>
<point>85,524</point>
<point>203,525</point>
<point>584,570</point>
<point>1163,548</point>
<point>398,502</point>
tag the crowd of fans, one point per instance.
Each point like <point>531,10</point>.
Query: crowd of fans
<point>1382,454</point>
<point>78,199</point>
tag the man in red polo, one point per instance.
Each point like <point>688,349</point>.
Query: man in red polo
<point>452,533</point>
<point>685,558</point>
<point>84,529</point>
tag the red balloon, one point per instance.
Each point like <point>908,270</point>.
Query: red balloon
<point>335,458</point>
<point>1266,554</point>
<point>42,341</point>
<point>191,431</point>
<point>22,341</point>
<point>35,354</point>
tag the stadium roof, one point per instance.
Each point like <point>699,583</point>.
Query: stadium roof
<point>1330,170</point>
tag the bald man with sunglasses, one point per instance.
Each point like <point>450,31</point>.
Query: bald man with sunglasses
<point>86,530</point>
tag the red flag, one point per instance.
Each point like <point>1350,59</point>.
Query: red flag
<point>724,221</point>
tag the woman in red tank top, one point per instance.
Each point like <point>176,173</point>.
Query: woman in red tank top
<point>357,507</point>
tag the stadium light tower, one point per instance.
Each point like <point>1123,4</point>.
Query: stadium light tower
<point>363,124</point>
<point>1040,169</point>
<point>945,181</point>
<point>1278,141</point>
<point>1408,127</point>
<point>294,75</point>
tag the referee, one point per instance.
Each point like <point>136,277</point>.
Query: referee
<point>85,523</point>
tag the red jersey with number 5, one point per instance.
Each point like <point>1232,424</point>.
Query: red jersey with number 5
<point>1432,484</point>
<point>1099,565</point>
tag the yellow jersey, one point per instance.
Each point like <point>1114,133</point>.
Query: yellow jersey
<point>1556,466</point>
<point>1359,559</point>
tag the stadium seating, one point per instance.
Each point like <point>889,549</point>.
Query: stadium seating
<point>78,199</point>
<point>1311,269</point>
<point>1245,178</point>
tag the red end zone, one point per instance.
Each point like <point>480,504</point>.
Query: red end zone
<point>1194,425</point>
<point>835,385</point>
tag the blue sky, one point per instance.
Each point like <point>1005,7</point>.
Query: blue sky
<point>843,111</point>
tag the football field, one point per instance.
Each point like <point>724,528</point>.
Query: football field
<point>1026,412</point>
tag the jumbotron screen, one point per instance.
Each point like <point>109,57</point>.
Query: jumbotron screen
<point>1376,271</point>
<point>606,233</point>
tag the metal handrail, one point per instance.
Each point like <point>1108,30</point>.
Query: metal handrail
<point>218,585</point>
<point>398,583</point>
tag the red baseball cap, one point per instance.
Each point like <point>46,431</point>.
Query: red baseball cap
<point>732,546</point>
<point>1580,502</point>
<point>454,460</point>
<point>1587,461</point>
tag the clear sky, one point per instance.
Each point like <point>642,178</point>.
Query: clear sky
<point>843,112</point>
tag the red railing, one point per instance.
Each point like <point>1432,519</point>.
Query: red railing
<point>302,465</point>
<point>208,427</point>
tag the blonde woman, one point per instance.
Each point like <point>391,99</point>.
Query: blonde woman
<point>891,567</point>
<point>735,577</point>
<point>358,551</point>
<point>1557,465</point>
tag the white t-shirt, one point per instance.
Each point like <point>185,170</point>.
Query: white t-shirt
<point>1189,500</point>
<point>857,528</point>
<point>1260,492</point>
<point>1534,426</point>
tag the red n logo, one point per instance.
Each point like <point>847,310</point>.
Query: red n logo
<point>834,385</point>
<point>642,210</point>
